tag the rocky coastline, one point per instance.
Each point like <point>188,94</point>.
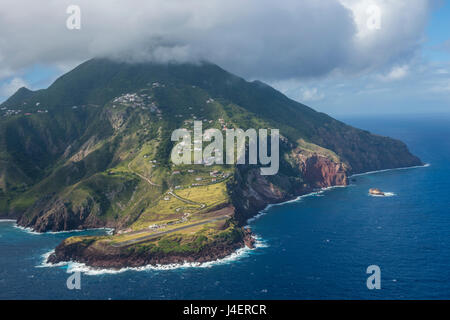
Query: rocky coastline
<point>117,258</point>
<point>251,193</point>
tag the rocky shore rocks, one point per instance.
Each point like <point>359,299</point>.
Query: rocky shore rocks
<point>376,192</point>
<point>113,257</point>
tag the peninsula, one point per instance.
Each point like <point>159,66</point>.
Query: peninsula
<point>93,150</point>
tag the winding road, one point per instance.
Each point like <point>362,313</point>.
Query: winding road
<point>202,205</point>
<point>161,233</point>
<point>143,177</point>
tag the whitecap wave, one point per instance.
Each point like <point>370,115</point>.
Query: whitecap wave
<point>46,264</point>
<point>7,220</point>
<point>27,230</point>
<point>260,242</point>
<point>386,170</point>
<point>83,268</point>
<point>238,254</point>
<point>318,193</point>
<point>108,231</point>
<point>386,194</point>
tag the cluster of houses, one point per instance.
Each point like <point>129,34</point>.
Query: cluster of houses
<point>136,100</point>
<point>131,99</point>
<point>189,122</point>
<point>11,112</point>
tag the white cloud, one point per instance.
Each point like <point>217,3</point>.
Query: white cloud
<point>254,38</point>
<point>401,32</point>
<point>396,73</point>
<point>10,87</point>
<point>310,94</point>
<point>425,88</point>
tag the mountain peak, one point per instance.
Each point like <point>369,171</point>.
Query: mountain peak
<point>18,97</point>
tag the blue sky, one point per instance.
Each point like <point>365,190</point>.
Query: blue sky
<point>319,53</point>
<point>424,88</point>
<point>438,33</point>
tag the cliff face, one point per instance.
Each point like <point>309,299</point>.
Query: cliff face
<point>252,192</point>
<point>56,215</point>
<point>98,254</point>
<point>99,155</point>
<point>88,126</point>
<point>321,172</point>
<point>363,151</point>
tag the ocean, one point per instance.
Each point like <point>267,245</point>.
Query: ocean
<point>316,247</point>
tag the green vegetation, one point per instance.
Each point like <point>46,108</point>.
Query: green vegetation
<point>210,195</point>
<point>94,150</point>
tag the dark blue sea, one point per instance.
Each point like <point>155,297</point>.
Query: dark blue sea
<point>317,247</point>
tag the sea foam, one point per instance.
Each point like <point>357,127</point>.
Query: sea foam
<point>386,170</point>
<point>108,231</point>
<point>318,193</point>
<point>386,194</point>
<point>237,255</point>
<point>87,270</point>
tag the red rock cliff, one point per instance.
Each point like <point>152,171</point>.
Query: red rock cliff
<point>321,172</point>
<point>252,192</point>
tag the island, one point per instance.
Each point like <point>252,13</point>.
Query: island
<point>376,192</point>
<point>100,157</point>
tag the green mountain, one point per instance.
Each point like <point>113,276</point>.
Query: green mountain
<point>93,150</point>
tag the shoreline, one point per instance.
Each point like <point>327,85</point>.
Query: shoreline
<point>264,211</point>
<point>74,266</point>
<point>249,220</point>
<point>426,165</point>
<point>31,231</point>
<point>236,255</point>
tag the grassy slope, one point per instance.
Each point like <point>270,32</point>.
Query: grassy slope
<point>111,166</point>
<point>112,145</point>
